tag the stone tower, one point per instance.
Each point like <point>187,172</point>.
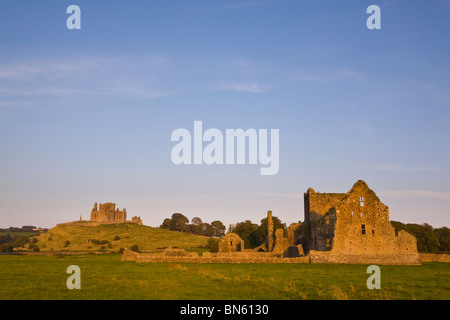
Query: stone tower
<point>269,231</point>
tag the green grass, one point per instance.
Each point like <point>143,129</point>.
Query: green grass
<point>80,237</point>
<point>26,234</point>
<point>106,277</point>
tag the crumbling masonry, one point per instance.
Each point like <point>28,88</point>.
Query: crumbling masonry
<point>350,227</point>
<point>107,213</point>
<point>353,227</point>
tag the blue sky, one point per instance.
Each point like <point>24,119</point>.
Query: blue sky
<point>86,115</point>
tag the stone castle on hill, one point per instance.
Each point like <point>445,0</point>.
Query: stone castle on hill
<point>350,227</point>
<point>107,212</point>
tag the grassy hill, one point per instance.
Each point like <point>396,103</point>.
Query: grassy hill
<point>111,237</point>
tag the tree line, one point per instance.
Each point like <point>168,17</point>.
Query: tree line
<point>253,234</point>
<point>10,241</point>
<point>179,222</point>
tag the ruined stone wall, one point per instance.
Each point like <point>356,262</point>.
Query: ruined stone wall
<point>322,229</point>
<point>137,220</point>
<point>231,243</point>
<point>358,225</point>
<point>291,232</point>
<point>192,257</point>
<point>363,226</point>
<point>129,255</point>
<point>382,259</point>
<point>431,257</point>
<point>293,251</point>
<point>281,243</point>
<point>320,219</point>
<point>269,231</point>
<point>108,212</point>
<point>320,203</point>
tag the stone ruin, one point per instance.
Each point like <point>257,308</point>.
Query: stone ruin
<point>276,245</point>
<point>352,227</point>
<point>107,213</point>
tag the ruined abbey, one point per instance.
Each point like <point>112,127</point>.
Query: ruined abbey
<point>352,227</point>
<point>107,212</point>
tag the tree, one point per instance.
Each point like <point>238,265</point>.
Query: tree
<point>6,247</point>
<point>166,224</point>
<point>444,238</point>
<point>218,229</point>
<point>5,238</point>
<point>207,230</point>
<point>179,223</point>
<point>196,226</point>
<point>244,230</point>
<point>213,245</point>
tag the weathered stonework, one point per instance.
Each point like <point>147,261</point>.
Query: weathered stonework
<point>433,257</point>
<point>192,257</point>
<point>293,251</point>
<point>281,243</point>
<point>354,224</point>
<point>269,232</point>
<point>378,259</point>
<point>231,243</point>
<point>350,227</point>
<point>275,245</point>
<point>107,213</point>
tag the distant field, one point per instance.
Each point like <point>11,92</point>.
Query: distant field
<point>112,237</point>
<point>106,277</point>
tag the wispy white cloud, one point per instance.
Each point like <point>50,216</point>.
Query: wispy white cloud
<point>241,87</point>
<point>311,78</point>
<point>234,64</point>
<point>81,78</point>
<point>19,71</point>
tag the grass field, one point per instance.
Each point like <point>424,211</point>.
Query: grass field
<point>106,277</point>
<point>26,234</point>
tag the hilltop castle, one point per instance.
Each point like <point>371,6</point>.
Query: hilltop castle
<point>107,212</point>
